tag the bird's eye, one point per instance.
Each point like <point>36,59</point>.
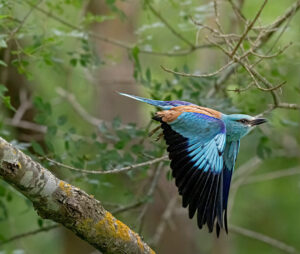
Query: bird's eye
<point>243,121</point>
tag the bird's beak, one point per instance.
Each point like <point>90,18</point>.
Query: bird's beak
<point>258,121</point>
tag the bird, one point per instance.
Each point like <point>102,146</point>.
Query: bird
<point>203,145</point>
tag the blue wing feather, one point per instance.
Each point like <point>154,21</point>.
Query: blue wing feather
<point>197,163</point>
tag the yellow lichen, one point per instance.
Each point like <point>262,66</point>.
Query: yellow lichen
<point>112,227</point>
<point>86,224</point>
<point>139,242</point>
<point>19,165</point>
<point>67,188</point>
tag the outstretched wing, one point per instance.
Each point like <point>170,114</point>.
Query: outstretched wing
<point>196,145</point>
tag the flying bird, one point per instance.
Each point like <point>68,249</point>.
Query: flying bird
<point>203,145</point>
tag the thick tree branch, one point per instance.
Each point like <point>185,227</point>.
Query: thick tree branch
<point>63,203</point>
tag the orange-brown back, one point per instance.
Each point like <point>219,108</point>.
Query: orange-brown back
<point>173,113</point>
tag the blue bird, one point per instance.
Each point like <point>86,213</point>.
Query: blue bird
<point>203,145</point>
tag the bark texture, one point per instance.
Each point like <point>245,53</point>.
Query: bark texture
<point>61,202</point>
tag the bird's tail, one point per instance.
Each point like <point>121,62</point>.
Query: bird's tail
<point>160,104</point>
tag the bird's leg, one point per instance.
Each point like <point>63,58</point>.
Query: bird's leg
<point>153,131</point>
<point>159,136</point>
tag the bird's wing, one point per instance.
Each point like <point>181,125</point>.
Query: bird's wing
<point>196,144</point>
<point>230,155</point>
<point>160,104</point>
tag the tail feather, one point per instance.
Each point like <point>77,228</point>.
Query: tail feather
<point>161,104</point>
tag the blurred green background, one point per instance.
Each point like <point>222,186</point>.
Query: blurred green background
<point>61,63</point>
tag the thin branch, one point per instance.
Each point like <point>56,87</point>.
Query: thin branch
<point>263,238</point>
<point>271,56</point>
<point>217,16</point>
<point>25,104</point>
<point>248,28</point>
<point>240,177</point>
<point>78,108</point>
<point>113,171</point>
<point>128,207</point>
<point>22,22</point>
<point>198,75</point>
<point>288,105</point>
<point>167,24</point>
<point>237,11</point>
<point>30,233</point>
<point>272,175</point>
<point>269,31</point>
<point>26,125</point>
<point>280,20</point>
<point>150,193</point>
<point>164,219</point>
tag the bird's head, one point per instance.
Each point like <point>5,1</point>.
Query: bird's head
<point>239,125</point>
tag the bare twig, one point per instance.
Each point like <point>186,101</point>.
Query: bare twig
<point>248,28</point>
<point>113,171</point>
<point>240,177</point>
<point>129,207</point>
<point>272,175</point>
<point>25,103</point>
<point>22,22</point>
<point>288,105</point>
<point>270,56</point>
<point>164,219</point>
<point>150,192</point>
<point>27,125</point>
<point>269,31</point>
<point>263,238</point>
<point>167,24</point>
<point>198,75</point>
<point>78,108</point>
<point>30,233</point>
<point>237,11</point>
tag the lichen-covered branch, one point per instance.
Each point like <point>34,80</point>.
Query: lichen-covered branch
<point>61,202</point>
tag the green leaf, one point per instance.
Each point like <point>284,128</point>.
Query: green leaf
<point>40,222</point>
<point>62,120</point>
<point>3,89</point>
<point>3,63</point>
<point>37,148</point>
<point>120,145</point>
<point>73,62</point>
<point>6,102</point>
<point>3,44</point>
